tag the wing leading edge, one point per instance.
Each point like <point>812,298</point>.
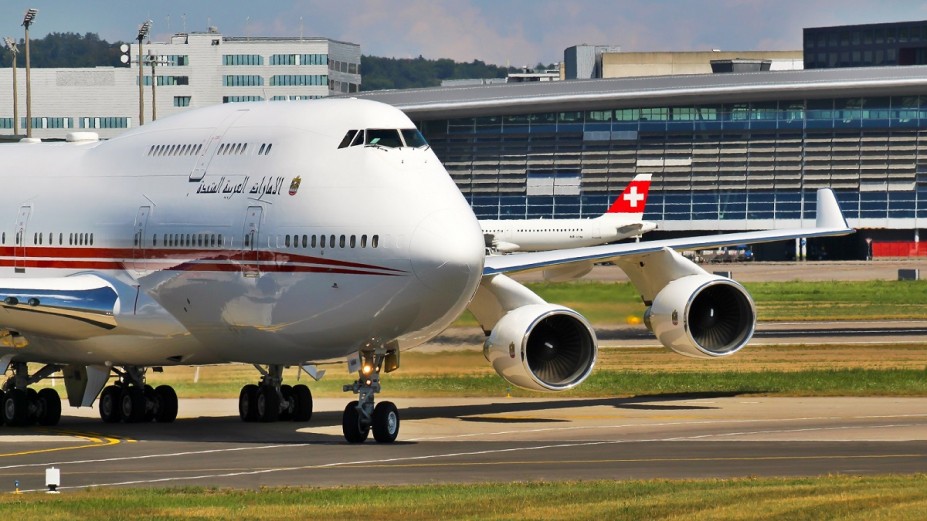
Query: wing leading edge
<point>829,222</point>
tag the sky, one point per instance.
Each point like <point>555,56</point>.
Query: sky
<point>501,32</point>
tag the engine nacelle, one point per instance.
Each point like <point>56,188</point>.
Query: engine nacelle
<point>542,347</point>
<point>702,316</point>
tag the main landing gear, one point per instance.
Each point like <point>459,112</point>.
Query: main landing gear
<point>22,405</point>
<point>131,400</point>
<point>270,400</point>
<point>360,416</point>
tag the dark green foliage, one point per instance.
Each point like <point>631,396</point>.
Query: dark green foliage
<point>403,73</point>
<point>66,50</point>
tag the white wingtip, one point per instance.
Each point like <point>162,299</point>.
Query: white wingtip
<point>829,214</point>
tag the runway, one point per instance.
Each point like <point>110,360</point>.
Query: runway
<point>479,440</point>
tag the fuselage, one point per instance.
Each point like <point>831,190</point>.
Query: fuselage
<point>243,232</point>
<point>511,235</point>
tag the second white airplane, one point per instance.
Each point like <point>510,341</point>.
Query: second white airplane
<point>623,219</point>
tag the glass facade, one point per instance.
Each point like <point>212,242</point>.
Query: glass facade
<point>760,160</point>
<point>901,43</point>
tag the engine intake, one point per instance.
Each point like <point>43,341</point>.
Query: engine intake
<point>542,347</point>
<point>702,316</point>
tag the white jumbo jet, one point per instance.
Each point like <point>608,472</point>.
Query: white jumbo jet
<point>287,234</point>
<point>623,219</point>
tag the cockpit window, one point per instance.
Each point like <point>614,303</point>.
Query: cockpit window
<point>346,142</point>
<point>388,138</point>
<point>413,138</point>
<point>384,137</point>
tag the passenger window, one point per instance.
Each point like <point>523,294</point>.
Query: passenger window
<point>353,241</point>
<point>322,244</point>
<point>287,241</point>
<point>363,241</point>
<point>305,242</point>
<point>341,242</point>
<point>374,241</point>
<point>313,241</point>
<point>331,241</point>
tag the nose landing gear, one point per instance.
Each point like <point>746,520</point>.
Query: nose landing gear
<point>360,416</point>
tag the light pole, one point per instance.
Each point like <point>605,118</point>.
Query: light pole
<point>27,21</point>
<point>142,33</point>
<point>153,60</point>
<point>11,44</point>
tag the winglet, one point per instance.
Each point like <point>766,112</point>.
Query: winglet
<point>634,197</point>
<point>829,214</point>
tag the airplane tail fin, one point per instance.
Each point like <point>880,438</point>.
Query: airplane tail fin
<point>634,197</point>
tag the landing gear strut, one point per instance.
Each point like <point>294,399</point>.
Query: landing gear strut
<point>20,405</point>
<point>131,400</point>
<point>360,416</point>
<point>270,400</point>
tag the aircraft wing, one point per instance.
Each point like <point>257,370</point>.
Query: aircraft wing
<point>829,223</point>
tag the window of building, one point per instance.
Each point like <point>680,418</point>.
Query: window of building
<point>280,80</point>
<point>242,80</point>
<point>242,59</point>
<point>182,101</point>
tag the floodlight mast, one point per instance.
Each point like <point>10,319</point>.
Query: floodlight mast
<point>142,33</point>
<point>28,20</point>
<point>14,49</point>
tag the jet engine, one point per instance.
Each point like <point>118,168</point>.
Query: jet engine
<point>542,347</point>
<point>702,316</point>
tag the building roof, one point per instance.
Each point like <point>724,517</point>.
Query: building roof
<point>522,98</point>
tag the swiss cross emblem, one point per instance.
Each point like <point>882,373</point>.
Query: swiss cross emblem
<point>632,197</point>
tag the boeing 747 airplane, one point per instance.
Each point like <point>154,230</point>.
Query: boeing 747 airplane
<point>623,219</point>
<point>287,234</point>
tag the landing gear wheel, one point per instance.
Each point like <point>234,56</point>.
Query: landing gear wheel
<point>286,413</point>
<point>151,402</point>
<point>385,422</point>
<point>303,398</point>
<point>2,399</point>
<point>350,425</point>
<point>247,403</point>
<point>268,404</point>
<point>132,404</point>
<point>15,408</point>
<point>49,407</point>
<point>167,404</point>
<point>110,409</point>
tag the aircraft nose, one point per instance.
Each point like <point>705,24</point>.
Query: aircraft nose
<point>447,252</point>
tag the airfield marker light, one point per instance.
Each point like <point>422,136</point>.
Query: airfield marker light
<point>16,487</point>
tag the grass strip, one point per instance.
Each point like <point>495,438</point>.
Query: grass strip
<point>617,302</point>
<point>832,497</point>
<point>621,383</point>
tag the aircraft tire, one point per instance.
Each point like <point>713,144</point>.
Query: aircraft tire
<point>167,404</point>
<point>350,425</point>
<point>110,411</point>
<point>286,414</point>
<point>2,398</point>
<point>247,403</point>
<point>151,402</point>
<point>268,404</point>
<point>15,408</point>
<point>303,396</point>
<point>385,422</point>
<point>132,404</point>
<point>50,407</point>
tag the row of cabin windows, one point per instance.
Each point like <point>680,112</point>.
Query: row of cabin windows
<point>192,150</point>
<point>174,150</point>
<point>330,241</point>
<point>74,239</point>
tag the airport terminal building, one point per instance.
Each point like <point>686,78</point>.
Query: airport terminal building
<point>195,69</point>
<point>727,151</point>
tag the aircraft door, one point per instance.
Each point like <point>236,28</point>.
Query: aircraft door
<point>19,241</point>
<point>138,240</point>
<point>251,235</point>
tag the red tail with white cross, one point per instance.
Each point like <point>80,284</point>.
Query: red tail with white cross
<point>634,196</point>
